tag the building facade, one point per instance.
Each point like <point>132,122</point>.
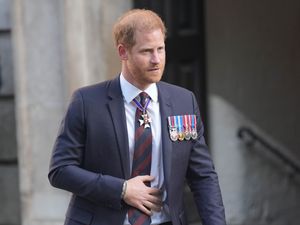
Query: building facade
<point>250,74</point>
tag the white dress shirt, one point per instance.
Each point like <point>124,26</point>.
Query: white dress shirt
<point>130,92</point>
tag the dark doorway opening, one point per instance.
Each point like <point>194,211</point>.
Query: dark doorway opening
<point>185,45</point>
<point>185,64</point>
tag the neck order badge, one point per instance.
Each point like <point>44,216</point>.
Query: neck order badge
<point>142,105</point>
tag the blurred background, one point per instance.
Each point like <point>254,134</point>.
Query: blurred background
<point>241,58</point>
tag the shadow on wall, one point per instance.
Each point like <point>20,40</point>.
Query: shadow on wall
<point>257,187</point>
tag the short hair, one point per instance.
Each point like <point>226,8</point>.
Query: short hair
<point>136,19</point>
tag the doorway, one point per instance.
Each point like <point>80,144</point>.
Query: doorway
<point>185,65</point>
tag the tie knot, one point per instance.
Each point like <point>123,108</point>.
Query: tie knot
<point>143,98</point>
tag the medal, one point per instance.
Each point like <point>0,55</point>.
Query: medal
<point>180,128</point>
<point>172,128</point>
<point>173,134</point>
<point>194,127</point>
<point>194,134</point>
<point>183,127</point>
<point>145,119</point>
<point>181,136</point>
<point>187,127</point>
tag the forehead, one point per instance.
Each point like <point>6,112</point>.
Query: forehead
<point>149,37</point>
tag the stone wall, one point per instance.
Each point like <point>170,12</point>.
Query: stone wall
<point>253,56</point>
<point>258,188</point>
<point>253,69</point>
<point>58,47</point>
<point>9,183</point>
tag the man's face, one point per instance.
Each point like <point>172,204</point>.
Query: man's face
<point>145,61</point>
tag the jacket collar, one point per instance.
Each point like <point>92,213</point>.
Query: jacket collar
<point>166,110</point>
<point>117,112</point>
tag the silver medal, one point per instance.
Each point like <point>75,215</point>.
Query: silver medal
<point>146,120</point>
<point>173,133</point>
<point>187,134</point>
<point>194,134</point>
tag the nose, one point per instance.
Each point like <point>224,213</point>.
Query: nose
<point>155,59</point>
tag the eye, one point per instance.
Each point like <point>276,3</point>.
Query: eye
<point>160,49</point>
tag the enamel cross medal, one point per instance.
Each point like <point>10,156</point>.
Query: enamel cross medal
<point>145,120</point>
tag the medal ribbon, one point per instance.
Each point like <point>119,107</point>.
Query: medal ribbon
<point>181,123</point>
<point>190,122</point>
<point>193,121</point>
<point>171,121</point>
<point>140,107</point>
<point>177,123</point>
<point>185,122</point>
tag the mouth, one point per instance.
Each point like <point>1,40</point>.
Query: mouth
<point>153,69</point>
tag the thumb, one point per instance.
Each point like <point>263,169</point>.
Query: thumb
<point>146,178</point>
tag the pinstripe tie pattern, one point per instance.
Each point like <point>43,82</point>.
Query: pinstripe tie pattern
<point>141,164</point>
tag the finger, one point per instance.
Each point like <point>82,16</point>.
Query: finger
<point>155,200</point>
<point>155,191</point>
<point>146,178</point>
<point>153,207</point>
<point>145,210</point>
<point>157,208</point>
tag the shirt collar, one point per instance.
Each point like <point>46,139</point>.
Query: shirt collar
<point>130,91</point>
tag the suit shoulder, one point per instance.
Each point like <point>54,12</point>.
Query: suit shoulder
<point>174,89</point>
<point>98,90</point>
<point>94,87</point>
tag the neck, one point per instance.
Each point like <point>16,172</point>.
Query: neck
<point>130,79</point>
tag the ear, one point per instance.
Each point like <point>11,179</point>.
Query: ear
<point>122,50</point>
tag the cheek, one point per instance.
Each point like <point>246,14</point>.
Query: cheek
<point>141,61</point>
<point>162,59</point>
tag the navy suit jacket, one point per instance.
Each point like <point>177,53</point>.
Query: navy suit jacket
<point>91,157</point>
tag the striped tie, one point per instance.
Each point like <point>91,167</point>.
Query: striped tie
<point>141,164</point>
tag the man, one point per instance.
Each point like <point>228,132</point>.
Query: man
<point>126,146</point>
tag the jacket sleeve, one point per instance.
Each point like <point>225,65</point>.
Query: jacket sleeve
<point>203,180</point>
<point>66,170</point>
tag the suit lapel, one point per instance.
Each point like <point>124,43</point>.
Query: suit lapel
<point>117,111</point>
<point>165,111</point>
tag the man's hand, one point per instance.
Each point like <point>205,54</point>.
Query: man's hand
<point>142,197</point>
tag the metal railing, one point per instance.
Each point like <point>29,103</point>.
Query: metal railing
<point>9,162</point>
<point>250,137</point>
<point>0,73</point>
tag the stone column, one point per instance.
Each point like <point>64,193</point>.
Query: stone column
<point>9,175</point>
<point>39,85</point>
<point>89,49</point>
<point>58,47</point>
